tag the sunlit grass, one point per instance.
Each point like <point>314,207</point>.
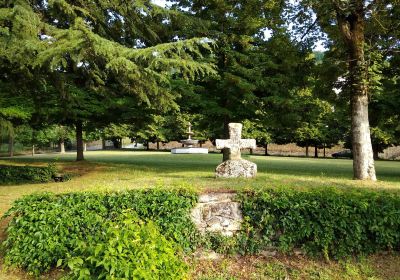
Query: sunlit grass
<point>116,170</point>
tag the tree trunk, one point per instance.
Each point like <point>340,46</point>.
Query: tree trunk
<point>251,151</point>
<point>61,145</point>
<point>324,151</point>
<point>148,146</point>
<point>11,145</point>
<point>103,144</point>
<point>307,154</point>
<point>363,159</point>
<point>266,149</point>
<point>158,145</point>
<point>79,141</point>
<point>352,29</point>
<point>376,153</point>
<point>315,151</point>
<point>33,141</point>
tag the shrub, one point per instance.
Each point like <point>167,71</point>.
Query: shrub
<point>46,227</point>
<point>128,249</point>
<point>22,174</point>
<point>328,221</point>
<point>169,209</point>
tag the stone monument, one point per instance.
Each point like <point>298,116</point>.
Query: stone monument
<point>188,145</point>
<point>235,166</point>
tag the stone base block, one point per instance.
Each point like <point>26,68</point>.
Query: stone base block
<point>189,151</point>
<point>218,213</point>
<point>236,168</point>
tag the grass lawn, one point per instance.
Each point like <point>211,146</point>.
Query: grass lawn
<point>111,170</point>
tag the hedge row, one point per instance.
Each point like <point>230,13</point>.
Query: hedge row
<point>46,228</point>
<point>331,222</point>
<point>23,174</point>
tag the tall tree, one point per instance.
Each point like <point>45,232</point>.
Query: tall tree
<point>347,24</point>
<point>282,71</point>
<point>16,106</point>
<point>351,23</point>
<point>81,48</point>
<point>385,102</point>
<point>234,26</point>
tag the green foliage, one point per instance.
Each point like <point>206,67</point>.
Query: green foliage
<point>256,130</point>
<point>42,137</point>
<point>87,38</point>
<point>167,127</point>
<point>14,106</point>
<point>88,62</point>
<point>24,174</point>
<point>328,222</point>
<point>91,233</point>
<point>384,115</point>
<point>46,228</point>
<point>237,28</point>
<point>245,242</point>
<point>220,244</point>
<point>116,253</point>
<point>167,208</point>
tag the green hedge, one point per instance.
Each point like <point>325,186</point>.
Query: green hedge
<point>330,222</point>
<point>127,249</point>
<point>46,228</point>
<point>23,174</point>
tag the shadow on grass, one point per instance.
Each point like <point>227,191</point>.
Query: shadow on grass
<point>171,165</point>
<point>323,167</point>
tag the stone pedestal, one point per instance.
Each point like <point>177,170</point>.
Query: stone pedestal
<point>218,213</point>
<point>236,168</point>
<point>189,150</point>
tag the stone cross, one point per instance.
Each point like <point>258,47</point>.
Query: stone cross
<point>235,143</point>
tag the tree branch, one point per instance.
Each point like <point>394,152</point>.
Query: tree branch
<point>309,28</point>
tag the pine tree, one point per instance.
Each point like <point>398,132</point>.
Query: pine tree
<point>81,51</point>
<point>235,27</point>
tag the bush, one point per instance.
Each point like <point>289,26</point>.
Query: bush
<point>169,209</point>
<point>128,249</point>
<point>76,228</point>
<point>46,228</point>
<point>332,222</point>
<point>23,174</point>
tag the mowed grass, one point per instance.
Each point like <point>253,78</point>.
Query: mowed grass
<point>118,170</point>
